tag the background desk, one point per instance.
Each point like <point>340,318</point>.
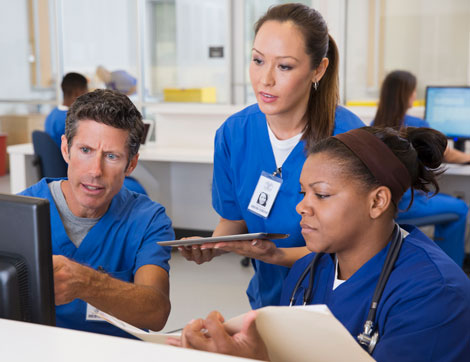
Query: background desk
<point>180,179</point>
<point>21,342</point>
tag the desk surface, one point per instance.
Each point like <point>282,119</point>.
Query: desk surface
<point>21,341</point>
<point>456,169</point>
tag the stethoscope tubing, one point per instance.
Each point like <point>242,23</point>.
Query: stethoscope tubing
<point>390,259</point>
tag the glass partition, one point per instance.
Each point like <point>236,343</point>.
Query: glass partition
<point>27,63</point>
<point>99,40</point>
<point>186,51</point>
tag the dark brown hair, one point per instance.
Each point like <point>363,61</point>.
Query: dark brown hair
<point>73,82</point>
<point>318,45</point>
<point>110,108</point>
<point>395,94</point>
<point>421,150</point>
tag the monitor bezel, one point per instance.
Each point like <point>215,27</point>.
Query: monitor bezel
<point>38,258</point>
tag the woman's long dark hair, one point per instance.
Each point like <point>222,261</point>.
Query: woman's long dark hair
<point>318,45</point>
<point>395,95</point>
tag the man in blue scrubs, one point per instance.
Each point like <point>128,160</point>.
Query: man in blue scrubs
<point>73,86</point>
<point>104,235</point>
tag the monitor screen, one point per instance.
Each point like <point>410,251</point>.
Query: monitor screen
<point>26,279</point>
<point>448,111</point>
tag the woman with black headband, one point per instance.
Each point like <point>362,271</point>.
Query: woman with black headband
<point>351,185</point>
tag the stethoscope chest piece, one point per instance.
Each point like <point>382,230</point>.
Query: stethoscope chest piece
<point>368,339</point>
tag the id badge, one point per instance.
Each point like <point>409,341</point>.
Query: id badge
<point>92,314</point>
<point>265,194</point>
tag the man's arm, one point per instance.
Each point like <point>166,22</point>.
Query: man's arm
<point>455,156</point>
<point>144,303</point>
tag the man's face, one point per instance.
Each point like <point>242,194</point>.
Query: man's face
<point>97,162</point>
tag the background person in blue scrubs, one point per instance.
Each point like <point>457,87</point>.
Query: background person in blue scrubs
<point>397,95</point>
<point>424,312</point>
<point>73,86</point>
<point>104,235</point>
<point>294,75</point>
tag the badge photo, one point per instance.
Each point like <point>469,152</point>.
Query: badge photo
<point>265,194</point>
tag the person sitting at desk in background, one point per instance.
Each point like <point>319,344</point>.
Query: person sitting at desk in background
<point>424,311</point>
<point>118,80</point>
<point>104,235</point>
<point>397,95</point>
<point>73,86</point>
<point>294,74</point>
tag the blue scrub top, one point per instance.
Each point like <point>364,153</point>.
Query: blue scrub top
<point>242,151</point>
<point>55,125</point>
<point>424,312</point>
<point>122,241</point>
<point>411,121</point>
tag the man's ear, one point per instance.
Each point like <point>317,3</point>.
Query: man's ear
<point>64,148</point>
<point>132,164</point>
<point>380,200</point>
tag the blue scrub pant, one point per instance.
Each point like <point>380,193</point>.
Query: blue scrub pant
<point>449,236</point>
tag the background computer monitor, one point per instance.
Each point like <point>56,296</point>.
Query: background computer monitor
<point>26,279</point>
<point>448,111</point>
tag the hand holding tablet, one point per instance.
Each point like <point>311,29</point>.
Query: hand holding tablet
<point>216,239</point>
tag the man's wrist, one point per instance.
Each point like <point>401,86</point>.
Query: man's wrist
<point>92,282</point>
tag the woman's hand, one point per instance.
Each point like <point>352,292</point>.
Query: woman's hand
<point>264,250</point>
<point>206,252</point>
<point>198,253</point>
<point>210,335</point>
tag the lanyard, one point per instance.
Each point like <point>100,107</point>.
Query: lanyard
<point>369,337</point>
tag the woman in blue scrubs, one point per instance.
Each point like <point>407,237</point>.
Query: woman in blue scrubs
<point>294,74</point>
<point>397,95</point>
<point>354,180</point>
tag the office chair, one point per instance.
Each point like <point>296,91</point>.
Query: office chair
<point>134,185</point>
<point>452,249</point>
<point>48,156</point>
<point>428,220</point>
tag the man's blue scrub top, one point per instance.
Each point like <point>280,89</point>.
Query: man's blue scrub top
<point>242,151</point>
<point>122,241</point>
<point>424,312</point>
<point>55,124</point>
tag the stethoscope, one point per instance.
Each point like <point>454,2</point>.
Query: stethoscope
<point>369,336</point>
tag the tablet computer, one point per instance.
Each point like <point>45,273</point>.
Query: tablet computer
<point>216,239</point>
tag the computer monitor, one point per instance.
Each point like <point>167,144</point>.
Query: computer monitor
<point>26,279</point>
<point>448,111</point>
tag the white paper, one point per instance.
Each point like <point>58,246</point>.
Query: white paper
<point>305,334</point>
<point>154,337</point>
<point>300,333</point>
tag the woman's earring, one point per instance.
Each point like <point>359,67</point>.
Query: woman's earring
<point>315,85</point>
